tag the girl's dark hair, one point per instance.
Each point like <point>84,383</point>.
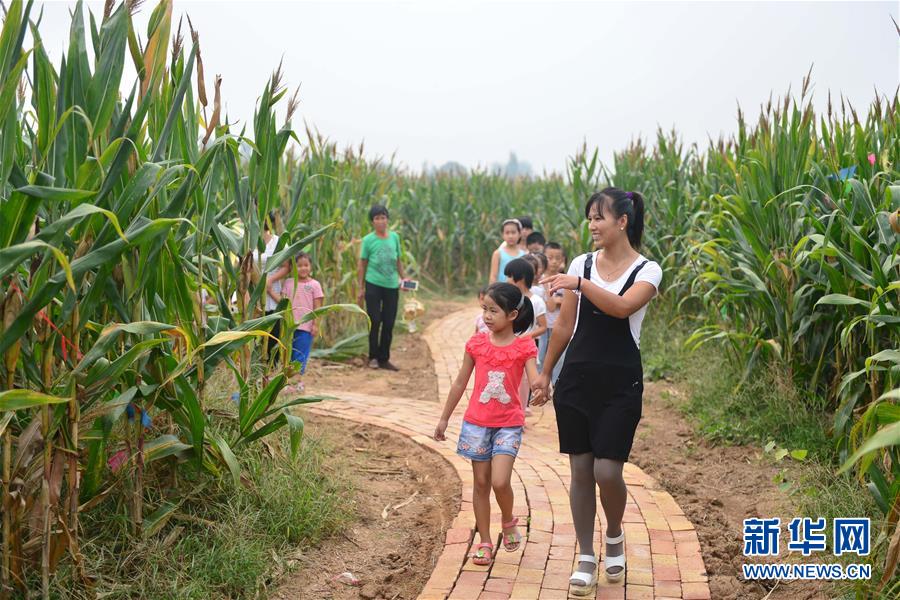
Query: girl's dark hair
<point>509,298</point>
<point>302,254</point>
<point>541,258</point>
<point>526,222</point>
<point>621,203</point>
<point>377,209</point>
<point>482,291</point>
<point>510,222</point>
<point>270,218</point>
<point>519,269</point>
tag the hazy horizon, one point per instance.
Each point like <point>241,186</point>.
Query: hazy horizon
<point>470,82</point>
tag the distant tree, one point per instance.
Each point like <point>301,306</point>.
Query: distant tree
<point>516,168</point>
<point>453,168</point>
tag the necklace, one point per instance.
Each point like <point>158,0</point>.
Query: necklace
<point>617,269</point>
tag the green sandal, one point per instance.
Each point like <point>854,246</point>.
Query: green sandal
<point>483,555</point>
<point>512,541</point>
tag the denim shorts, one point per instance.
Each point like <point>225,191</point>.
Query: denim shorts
<point>483,443</point>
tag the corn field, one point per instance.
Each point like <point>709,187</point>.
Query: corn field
<point>783,239</point>
<point>129,222</point>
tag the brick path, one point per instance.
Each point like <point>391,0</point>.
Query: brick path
<point>661,545</point>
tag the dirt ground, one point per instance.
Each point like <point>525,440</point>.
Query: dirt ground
<point>392,558</point>
<point>717,486</point>
<point>415,379</point>
<point>405,500</point>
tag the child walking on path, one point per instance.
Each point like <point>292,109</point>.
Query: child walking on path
<point>492,425</point>
<point>539,263</point>
<point>509,250</point>
<point>556,264</point>
<point>305,295</point>
<point>521,274</point>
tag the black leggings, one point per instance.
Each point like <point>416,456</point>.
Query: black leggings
<point>381,306</point>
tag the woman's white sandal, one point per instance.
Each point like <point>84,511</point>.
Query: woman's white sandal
<point>584,584</point>
<point>615,561</point>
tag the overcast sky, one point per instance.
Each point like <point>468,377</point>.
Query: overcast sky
<point>472,81</point>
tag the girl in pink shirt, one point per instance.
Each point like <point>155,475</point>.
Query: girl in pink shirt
<point>306,295</point>
<point>492,426</point>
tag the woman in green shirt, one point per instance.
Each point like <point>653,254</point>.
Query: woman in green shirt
<point>380,273</point>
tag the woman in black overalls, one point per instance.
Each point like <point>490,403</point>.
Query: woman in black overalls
<point>598,394</point>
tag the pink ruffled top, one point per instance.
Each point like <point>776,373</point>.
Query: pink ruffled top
<point>495,400</point>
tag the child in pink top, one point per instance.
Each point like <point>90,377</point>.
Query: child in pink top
<point>305,295</point>
<point>492,425</point>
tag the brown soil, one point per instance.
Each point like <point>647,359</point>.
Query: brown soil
<point>717,487</point>
<point>392,558</point>
<point>415,379</point>
<point>390,551</point>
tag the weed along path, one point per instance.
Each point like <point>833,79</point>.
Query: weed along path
<point>662,547</point>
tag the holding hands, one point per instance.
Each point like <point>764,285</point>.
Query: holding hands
<point>540,390</point>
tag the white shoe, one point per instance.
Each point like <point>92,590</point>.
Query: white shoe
<point>615,561</point>
<point>584,584</point>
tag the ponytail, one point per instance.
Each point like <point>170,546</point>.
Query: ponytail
<point>525,318</point>
<point>636,229</point>
<point>509,298</point>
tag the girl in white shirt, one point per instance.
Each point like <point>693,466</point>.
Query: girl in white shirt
<point>520,273</point>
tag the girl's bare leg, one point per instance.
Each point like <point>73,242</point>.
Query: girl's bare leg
<point>501,476</point>
<point>481,498</point>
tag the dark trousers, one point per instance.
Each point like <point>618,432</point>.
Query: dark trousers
<point>381,306</point>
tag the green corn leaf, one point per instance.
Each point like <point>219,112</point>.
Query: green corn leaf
<point>163,446</point>
<point>22,399</point>
<point>158,518</point>
<point>227,456</point>
<point>883,438</point>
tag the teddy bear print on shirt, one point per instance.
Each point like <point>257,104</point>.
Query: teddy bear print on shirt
<point>495,389</point>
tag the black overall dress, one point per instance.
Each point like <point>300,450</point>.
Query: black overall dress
<point>599,392</point>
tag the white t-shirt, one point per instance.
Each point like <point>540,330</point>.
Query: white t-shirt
<point>276,287</point>
<point>552,315</point>
<point>540,308</point>
<point>651,273</point>
<point>538,290</point>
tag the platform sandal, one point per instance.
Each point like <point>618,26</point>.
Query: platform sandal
<point>615,561</point>
<point>584,584</point>
<point>512,541</point>
<point>483,555</point>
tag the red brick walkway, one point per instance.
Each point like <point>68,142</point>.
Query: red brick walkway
<point>661,546</point>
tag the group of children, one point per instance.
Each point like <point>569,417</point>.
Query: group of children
<point>505,352</point>
<point>524,259</point>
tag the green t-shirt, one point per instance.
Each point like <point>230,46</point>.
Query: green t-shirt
<point>382,254</point>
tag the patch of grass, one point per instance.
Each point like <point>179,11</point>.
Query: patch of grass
<point>766,407</point>
<point>225,540</point>
<point>820,492</point>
